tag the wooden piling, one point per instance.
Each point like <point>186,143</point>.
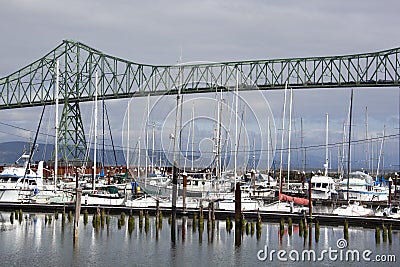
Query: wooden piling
<point>290,226</point>
<point>384,233</point>
<point>377,235</point>
<point>301,228</point>
<point>317,231</point>
<point>238,204</point>
<point>258,226</point>
<point>77,211</point>
<point>85,217</point>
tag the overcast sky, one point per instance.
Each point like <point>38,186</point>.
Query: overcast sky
<point>159,32</point>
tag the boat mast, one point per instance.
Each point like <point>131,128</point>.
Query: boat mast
<point>282,138</point>
<point>147,141</point>
<point>192,134</point>
<point>138,172</point>
<point>95,135</point>
<point>56,135</point>
<point>381,151</point>
<point>289,133</point>
<point>367,167</point>
<point>127,139</point>
<point>152,149</point>
<point>349,147</point>
<point>268,146</point>
<point>236,122</point>
<point>326,165</point>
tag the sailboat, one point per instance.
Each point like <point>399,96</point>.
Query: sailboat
<point>351,209</point>
<point>286,203</point>
<point>107,195</point>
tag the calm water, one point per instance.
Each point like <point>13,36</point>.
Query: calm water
<point>36,243</point>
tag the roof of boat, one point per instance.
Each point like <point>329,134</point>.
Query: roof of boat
<point>322,179</point>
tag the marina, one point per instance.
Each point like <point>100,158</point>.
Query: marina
<point>288,159</point>
<point>43,239</point>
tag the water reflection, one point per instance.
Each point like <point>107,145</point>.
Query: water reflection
<point>117,243</point>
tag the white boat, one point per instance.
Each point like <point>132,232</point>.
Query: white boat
<point>353,209</point>
<point>392,212</point>
<point>161,186</point>
<point>18,183</point>
<point>247,204</point>
<point>323,187</point>
<point>362,188</point>
<point>145,201</point>
<point>106,196</point>
<point>284,206</point>
<point>17,176</point>
<point>260,186</point>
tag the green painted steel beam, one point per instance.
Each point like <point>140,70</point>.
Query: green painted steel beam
<point>33,85</point>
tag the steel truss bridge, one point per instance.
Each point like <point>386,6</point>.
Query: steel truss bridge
<point>34,85</point>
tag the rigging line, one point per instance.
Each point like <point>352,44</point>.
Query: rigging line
<point>34,142</point>
<point>109,129</point>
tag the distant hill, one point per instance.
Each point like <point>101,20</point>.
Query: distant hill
<point>11,151</point>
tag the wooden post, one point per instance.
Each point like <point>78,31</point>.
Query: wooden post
<point>77,211</point>
<point>184,191</point>
<point>238,215</point>
<point>238,203</point>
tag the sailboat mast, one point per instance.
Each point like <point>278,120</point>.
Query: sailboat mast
<point>95,135</point>
<point>290,133</point>
<point>381,151</point>
<point>147,141</point>
<point>56,135</point>
<point>152,148</point>
<point>138,172</point>
<point>367,167</point>
<point>349,147</point>
<point>236,122</point>
<point>326,165</point>
<point>282,138</point>
<point>127,138</point>
<point>268,146</point>
<point>192,135</point>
